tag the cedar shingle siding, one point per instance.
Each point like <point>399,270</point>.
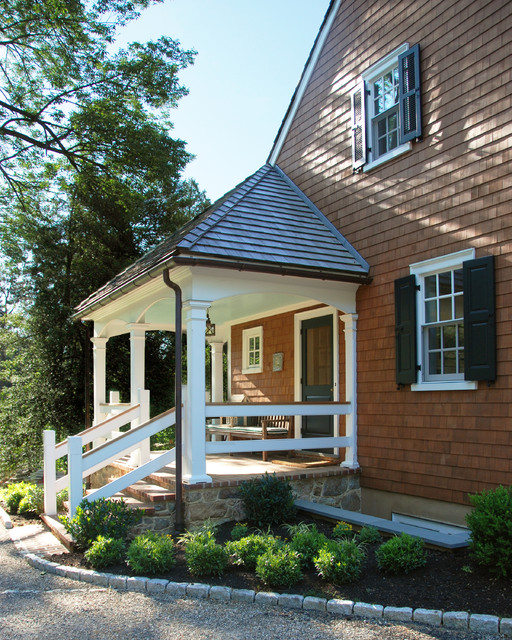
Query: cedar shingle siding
<point>452,191</point>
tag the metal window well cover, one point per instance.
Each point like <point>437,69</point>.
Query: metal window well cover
<point>265,224</point>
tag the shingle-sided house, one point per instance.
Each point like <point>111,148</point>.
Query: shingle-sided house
<point>361,280</point>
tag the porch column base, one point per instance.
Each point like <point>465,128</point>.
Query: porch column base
<point>189,479</point>
<point>350,465</point>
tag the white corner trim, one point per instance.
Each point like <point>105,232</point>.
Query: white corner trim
<point>303,83</point>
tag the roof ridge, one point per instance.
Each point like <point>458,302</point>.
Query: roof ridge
<point>242,193</point>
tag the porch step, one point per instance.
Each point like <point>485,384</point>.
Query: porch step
<point>434,538</point>
<point>149,492</point>
<point>130,501</point>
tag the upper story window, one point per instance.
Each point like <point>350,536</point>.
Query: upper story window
<point>445,323</point>
<point>252,350</point>
<point>386,109</point>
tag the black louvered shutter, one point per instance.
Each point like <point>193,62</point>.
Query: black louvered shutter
<point>358,127</point>
<point>479,319</point>
<point>405,330</point>
<point>409,95</point>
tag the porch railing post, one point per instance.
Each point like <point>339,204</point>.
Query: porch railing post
<point>75,473</point>
<point>350,321</point>
<point>49,473</point>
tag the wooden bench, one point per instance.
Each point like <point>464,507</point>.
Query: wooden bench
<point>266,428</point>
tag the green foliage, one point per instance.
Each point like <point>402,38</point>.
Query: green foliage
<point>240,530</point>
<point>401,554</point>
<point>14,494</point>
<point>151,553</point>
<point>490,523</point>
<point>247,550</point>
<point>100,517</point>
<point>33,502</point>
<point>340,561</point>
<point>267,500</point>
<point>369,535</point>
<point>279,568</point>
<point>206,532</point>
<point>104,552</point>
<point>307,543</point>
<point>342,530</point>
<point>205,558</point>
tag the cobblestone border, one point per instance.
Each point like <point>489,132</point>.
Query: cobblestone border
<point>459,620</point>
<point>5,518</point>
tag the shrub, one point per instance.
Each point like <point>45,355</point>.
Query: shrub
<point>105,552</point>
<point>369,535</point>
<point>490,523</point>
<point>205,558</point>
<point>340,561</point>
<point>307,543</point>
<point>268,500</point>
<point>401,554</point>
<point>239,531</point>
<point>151,553</point>
<point>100,518</point>
<point>342,530</point>
<point>14,494</point>
<point>207,531</point>
<point>279,567</point>
<point>32,502</point>
<point>247,550</point>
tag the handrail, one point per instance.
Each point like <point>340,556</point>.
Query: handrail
<point>255,409</point>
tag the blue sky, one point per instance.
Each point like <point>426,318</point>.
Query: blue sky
<point>250,57</point>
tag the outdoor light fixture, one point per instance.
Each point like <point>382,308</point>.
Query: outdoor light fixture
<point>210,327</point>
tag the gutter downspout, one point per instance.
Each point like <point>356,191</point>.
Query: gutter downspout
<point>178,524</point>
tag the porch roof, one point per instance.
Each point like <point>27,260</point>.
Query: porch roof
<point>265,224</point>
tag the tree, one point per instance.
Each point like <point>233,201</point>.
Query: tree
<point>91,180</point>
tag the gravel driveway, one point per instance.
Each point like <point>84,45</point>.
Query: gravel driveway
<point>36,605</point>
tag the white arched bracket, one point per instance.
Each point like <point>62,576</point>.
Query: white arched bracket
<point>350,322</point>
<point>194,441</point>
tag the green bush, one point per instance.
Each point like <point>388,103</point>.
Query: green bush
<point>205,558</point>
<point>340,561</point>
<point>342,530</point>
<point>32,502</point>
<point>401,554</point>
<point>14,494</point>
<point>490,523</point>
<point>206,532</point>
<point>268,500</point>
<point>247,550</point>
<point>151,553</point>
<point>105,552</point>
<point>279,568</point>
<point>369,535</point>
<point>239,531</point>
<point>100,518</point>
<point>307,544</point>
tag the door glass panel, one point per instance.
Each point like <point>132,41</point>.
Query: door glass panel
<point>319,356</point>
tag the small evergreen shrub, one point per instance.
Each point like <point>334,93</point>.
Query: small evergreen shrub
<point>151,553</point>
<point>206,558</point>
<point>206,532</point>
<point>268,500</point>
<point>342,530</point>
<point>100,518</point>
<point>32,502</point>
<point>14,494</point>
<point>246,551</point>
<point>307,543</point>
<point>401,554</point>
<point>369,535</point>
<point>490,523</point>
<point>279,568</point>
<point>105,552</point>
<point>239,531</point>
<point>340,561</point>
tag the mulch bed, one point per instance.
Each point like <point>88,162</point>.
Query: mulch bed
<point>449,581</point>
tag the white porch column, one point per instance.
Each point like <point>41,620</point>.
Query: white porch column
<point>194,440</point>
<point>217,371</point>
<point>99,354</point>
<point>137,382</point>
<point>350,321</point>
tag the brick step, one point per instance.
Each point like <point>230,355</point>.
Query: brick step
<point>149,492</point>
<point>131,501</point>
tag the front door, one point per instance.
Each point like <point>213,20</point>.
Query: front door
<point>317,373</point>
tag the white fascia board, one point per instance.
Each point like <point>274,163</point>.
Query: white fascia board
<point>303,83</point>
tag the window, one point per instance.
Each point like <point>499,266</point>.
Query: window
<point>252,350</point>
<point>386,109</point>
<point>445,326</point>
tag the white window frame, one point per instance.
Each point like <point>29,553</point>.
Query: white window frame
<point>247,335</point>
<point>421,270</point>
<point>369,77</point>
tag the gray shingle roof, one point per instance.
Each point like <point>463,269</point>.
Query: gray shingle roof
<point>264,224</point>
